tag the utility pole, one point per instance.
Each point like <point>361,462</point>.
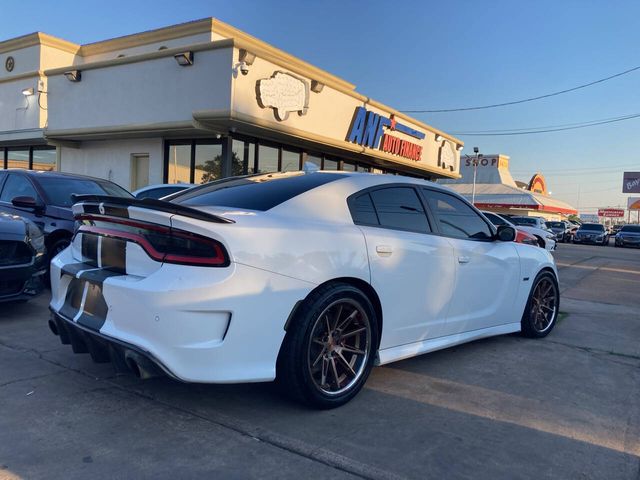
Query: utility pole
<point>475,173</point>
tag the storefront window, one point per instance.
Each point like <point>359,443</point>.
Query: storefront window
<point>242,157</point>
<point>290,161</point>
<point>44,160</point>
<point>179,165</point>
<point>348,167</point>
<point>330,164</point>
<point>18,159</point>
<point>267,159</point>
<point>315,159</point>
<point>208,163</point>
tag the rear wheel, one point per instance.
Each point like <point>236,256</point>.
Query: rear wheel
<point>329,348</point>
<point>541,311</point>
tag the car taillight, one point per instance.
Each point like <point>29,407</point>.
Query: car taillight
<point>163,244</point>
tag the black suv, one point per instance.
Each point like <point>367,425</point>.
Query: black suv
<point>45,199</point>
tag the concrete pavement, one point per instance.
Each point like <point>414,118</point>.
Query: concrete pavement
<point>567,406</point>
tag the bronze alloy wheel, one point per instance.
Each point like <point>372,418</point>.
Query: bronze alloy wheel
<point>543,305</point>
<point>338,350</point>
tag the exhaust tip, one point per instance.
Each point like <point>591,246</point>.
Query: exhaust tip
<point>53,327</point>
<point>140,366</point>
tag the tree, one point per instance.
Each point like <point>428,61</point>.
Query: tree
<point>212,169</point>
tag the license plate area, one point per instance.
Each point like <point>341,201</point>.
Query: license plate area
<point>85,304</point>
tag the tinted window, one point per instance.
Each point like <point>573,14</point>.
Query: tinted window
<point>17,186</point>
<point>555,224</point>
<point>363,212</point>
<point>255,192</point>
<point>400,207</point>
<point>456,218</point>
<point>631,228</point>
<point>495,219</point>
<point>60,189</point>
<point>592,226</point>
<point>159,192</point>
<point>531,222</point>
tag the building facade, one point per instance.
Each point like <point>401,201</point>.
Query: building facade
<point>495,190</point>
<point>195,102</point>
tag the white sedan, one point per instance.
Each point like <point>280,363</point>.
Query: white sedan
<point>307,278</point>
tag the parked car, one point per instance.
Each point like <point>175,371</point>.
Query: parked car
<point>591,233</point>
<point>22,258</point>
<point>616,228</point>
<point>309,279</point>
<point>161,190</point>
<point>562,230</point>
<point>45,199</point>
<point>628,236</point>
<point>546,238</point>
<point>522,235</point>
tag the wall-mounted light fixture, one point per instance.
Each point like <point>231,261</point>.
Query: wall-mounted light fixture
<point>439,138</point>
<point>73,75</point>
<point>27,92</point>
<point>459,147</point>
<point>184,59</point>
<point>316,86</point>
<point>247,57</point>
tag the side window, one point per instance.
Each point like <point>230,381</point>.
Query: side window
<point>17,186</point>
<point>456,218</point>
<point>363,212</point>
<point>400,208</point>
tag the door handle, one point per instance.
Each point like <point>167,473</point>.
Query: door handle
<point>463,259</point>
<point>384,250</point>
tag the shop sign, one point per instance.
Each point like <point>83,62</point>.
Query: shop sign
<point>611,212</point>
<point>633,203</point>
<point>368,130</point>
<point>488,161</point>
<point>285,93</point>
<point>631,182</point>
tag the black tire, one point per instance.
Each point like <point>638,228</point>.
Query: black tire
<point>54,249</point>
<point>532,324</point>
<point>297,374</point>
<point>57,247</point>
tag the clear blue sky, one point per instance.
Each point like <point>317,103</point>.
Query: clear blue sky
<point>420,54</point>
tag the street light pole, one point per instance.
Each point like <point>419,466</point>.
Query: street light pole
<point>475,173</point>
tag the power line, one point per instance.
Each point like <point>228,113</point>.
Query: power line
<point>524,100</point>
<point>579,169</point>
<point>591,123</point>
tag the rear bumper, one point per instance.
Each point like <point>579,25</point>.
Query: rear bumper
<point>104,349</point>
<point>197,324</point>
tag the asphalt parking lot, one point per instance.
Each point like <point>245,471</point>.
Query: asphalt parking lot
<point>567,406</point>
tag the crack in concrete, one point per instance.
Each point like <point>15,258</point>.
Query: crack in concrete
<point>18,380</point>
<point>597,351</point>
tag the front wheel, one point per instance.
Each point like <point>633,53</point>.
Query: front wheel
<point>541,311</point>
<point>329,348</point>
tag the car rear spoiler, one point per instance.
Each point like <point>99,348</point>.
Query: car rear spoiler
<point>101,203</point>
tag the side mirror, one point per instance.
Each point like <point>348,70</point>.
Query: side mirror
<point>506,233</point>
<point>25,202</point>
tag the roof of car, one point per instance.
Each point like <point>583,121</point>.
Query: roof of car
<point>39,173</point>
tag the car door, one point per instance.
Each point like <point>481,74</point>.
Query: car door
<point>18,186</point>
<point>487,270</point>
<point>412,270</point>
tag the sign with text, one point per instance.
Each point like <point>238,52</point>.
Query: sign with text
<point>611,212</point>
<point>631,182</point>
<point>633,203</point>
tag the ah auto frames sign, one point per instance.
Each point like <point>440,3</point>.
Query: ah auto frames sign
<point>371,130</point>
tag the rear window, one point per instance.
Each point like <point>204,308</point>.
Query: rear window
<point>555,225</point>
<point>59,189</point>
<point>524,221</point>
<point>631,228</point>
<point>592,226</point>
<point>254,192</point>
